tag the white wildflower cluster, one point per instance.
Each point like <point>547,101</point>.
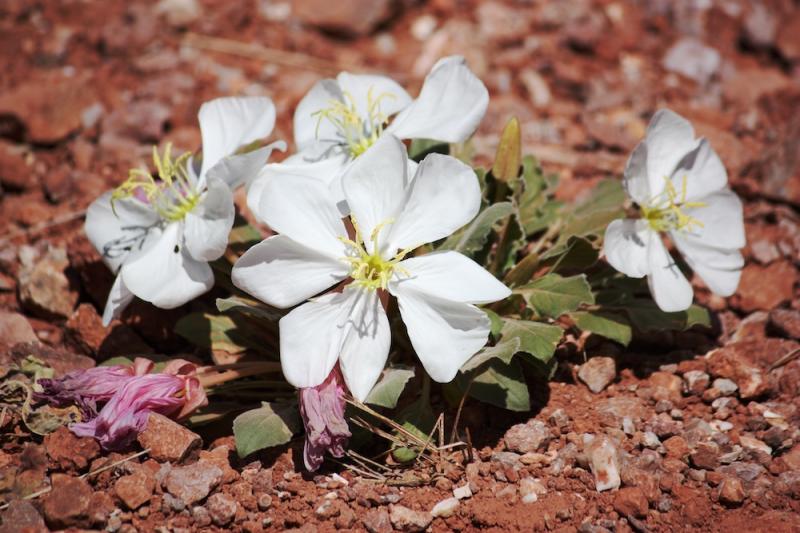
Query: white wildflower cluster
<point>353,215</point>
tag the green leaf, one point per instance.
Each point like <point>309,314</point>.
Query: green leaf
<point>220,332</point>
<point>609,325</point>
<point>553,295</point>
<point>502,384</point>
<point>473,238</point>
<point>646,316</point>
<point>592,223</point>
<point>249,306</point>
<point>539,340</point>
<point>272,424</point>
<point>421,147</point>
<point>577,253</point>
<point>537,210</point>
<point>387,391</point>
<point>607,194</point>
<point>503,351</point>
<point>416,418</point>
<point>495,322</point>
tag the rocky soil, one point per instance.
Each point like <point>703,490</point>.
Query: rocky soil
<point>696,430</point>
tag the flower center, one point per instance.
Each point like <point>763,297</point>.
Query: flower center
<point>666,211</point>
<point>172,196</point>
<point>358,133</point>
<point>370,270</point>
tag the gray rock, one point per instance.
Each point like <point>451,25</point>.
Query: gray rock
<point>376,520</point>
<point>725,386</point>
<point>445,508</point>
<point>44,288</point>
<point>405,519</point>
<point>192,483</point>
<point>529,437</point>
<point>221,508</point>
<point>598,372</point>
<point>693,59</point>
<point>604,462</point>
<point>15,328</point>
<point>530,489</point>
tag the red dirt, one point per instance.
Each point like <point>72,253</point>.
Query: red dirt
<point>88,87</point>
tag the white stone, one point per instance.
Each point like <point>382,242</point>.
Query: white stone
<point>463,492</point>
<point>445,508</point>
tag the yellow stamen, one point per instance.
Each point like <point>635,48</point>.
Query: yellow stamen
<point>358,134</point>
<point>370,270</point>
<point>172,196</point>
<point>666,214</point>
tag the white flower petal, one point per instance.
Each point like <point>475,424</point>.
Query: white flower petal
<point>119,297</point>
<point>365,346</point>
<point>302,208</point>
<point>165,274</point>
<point>450,276</point>
<point>443,196</point>
<point>350,323</point>
<point>283,273</point>
<point>634,178</point>
<point>226,124</point>
<point>308,127</point>
<point>701,173</point>
<point>670,137</point>
<point>236,170</point>
<point>450,105</point>
<point>116,233</point>
<point>444,334</point>
<point>669,287</point>
<point>720,269</point>
<point>363,89</point>
<point>374,186</point>
<point>625,246</point>
<point>325,170</point>
<point>207,226</point>
<point>310,338</point>
<point>722,221</point>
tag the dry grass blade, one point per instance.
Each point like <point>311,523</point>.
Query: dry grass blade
<point>270,55</point>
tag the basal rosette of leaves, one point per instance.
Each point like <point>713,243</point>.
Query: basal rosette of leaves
<point>548,253</point>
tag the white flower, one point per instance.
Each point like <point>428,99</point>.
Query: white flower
<point>157,236</point>
<point>338,120</point>
<point>392,215</point>
<point>680,186</point>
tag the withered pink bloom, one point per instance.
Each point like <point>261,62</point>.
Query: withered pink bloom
<point>322,409</point>
<point>175,392</point>
<point>84,388</point>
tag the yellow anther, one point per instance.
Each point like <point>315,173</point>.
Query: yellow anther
<point>172,196</point>
<point>370,270</point>
<point>666,214</point>
<point>358,133</point>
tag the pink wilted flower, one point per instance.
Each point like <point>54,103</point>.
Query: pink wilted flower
<point>322,410</point>
<point>175,392</point>
<point>84,388</point>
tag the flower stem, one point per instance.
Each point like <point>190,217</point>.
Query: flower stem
<point>240,370</point>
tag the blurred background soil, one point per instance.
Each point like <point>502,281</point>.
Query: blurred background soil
<point>702,426</point>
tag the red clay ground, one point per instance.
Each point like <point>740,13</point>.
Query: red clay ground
<point>88,87</point>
